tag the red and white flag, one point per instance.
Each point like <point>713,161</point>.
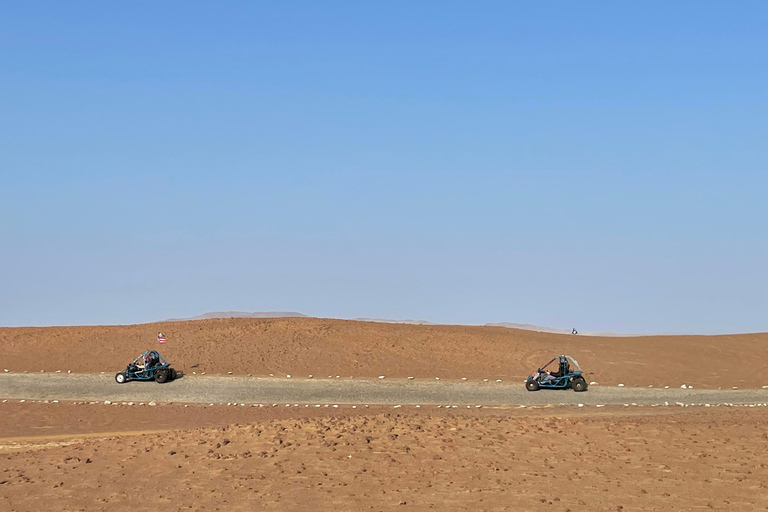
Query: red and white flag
<point>161,338</point>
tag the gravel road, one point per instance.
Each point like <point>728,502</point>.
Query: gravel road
<point>218,389</point>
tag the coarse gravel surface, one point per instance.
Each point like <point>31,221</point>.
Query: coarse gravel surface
<point>218,389</point>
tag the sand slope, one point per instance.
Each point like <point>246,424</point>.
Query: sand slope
<point>323,347</point>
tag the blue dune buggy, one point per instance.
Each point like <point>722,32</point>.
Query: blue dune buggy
<point>564,373</point>
<point>150,365</point>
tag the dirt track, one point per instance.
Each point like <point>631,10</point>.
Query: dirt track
<point>322,347</point>
<point>346,391</point>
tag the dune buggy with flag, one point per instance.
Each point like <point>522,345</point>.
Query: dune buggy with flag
<point>150,365</point>
<point>560,373</point>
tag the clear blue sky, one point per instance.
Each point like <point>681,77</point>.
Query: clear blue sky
<point>597,165</point>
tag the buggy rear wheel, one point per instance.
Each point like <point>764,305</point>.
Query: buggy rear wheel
<point>174,374</point>
<point>579,385</point>
<point>161,376</point>
<point>120,378</point>
<point>531,385</point>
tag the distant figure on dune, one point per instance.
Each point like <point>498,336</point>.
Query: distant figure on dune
<point>574,331</point>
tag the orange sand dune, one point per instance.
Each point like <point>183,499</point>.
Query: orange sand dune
<point>323,347</point>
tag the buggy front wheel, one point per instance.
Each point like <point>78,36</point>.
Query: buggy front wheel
<point>579,385</point>
<point>120,378</point>
<point>531,385</point>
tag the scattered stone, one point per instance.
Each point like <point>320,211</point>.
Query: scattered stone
<point>437,378</point>
<point>107,402</point>
<point>152,404</point>
<point>381,376</point>
<point>410,378</point>
<point>581,405</point>
<point>683,386</point>
<point>621,385</point>
<point>310,376</point>
<point>288,376</point>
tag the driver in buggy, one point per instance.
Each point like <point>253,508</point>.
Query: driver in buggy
<point>146,361</point>
<point>563,369</point>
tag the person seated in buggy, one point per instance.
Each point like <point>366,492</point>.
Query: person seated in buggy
<point>562,369</point>
<point>146,361</point>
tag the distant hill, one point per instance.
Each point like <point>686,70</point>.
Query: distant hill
<point>386,321</point>
<point>530,327</point>
<point>242,314</point>
<point>539,328</point>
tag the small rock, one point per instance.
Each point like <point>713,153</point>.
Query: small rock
<point>593,383</point>
<point>381,376</point>
<point>288,376</point>
<point>152,404</point>
<point>581,405</point>
<point>410,378</point>
<point>683,386</point>
<point>107,402</point>
<point>621,385</point>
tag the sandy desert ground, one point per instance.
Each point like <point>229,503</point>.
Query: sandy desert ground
<point>232,458</point>
<point>69,456</point>
<point>322,347</point>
